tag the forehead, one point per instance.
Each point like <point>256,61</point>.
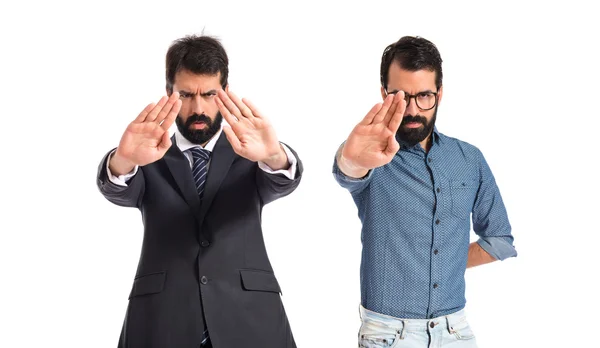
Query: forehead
<point>187,80</point>
<point>410,81</point>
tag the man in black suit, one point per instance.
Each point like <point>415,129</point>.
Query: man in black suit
<point>204,278</point>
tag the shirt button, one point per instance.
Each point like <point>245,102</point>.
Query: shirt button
<point>204,280</point>
<point>435,285</point>
<point>438,190</point>
<point>437,222</point>
<point>205,243</point>
<point>432,324</point>
<point>430,315</point>
<point>429,159</point>
<point>435,252</point>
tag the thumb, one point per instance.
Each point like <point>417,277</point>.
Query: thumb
<point>165,142</point>
<point>392,146</point>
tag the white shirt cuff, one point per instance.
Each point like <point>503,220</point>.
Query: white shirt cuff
<point>290,173</point>
<point>120,180</point>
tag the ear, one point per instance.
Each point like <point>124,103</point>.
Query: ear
<point>383,93</point>
<point>440,93</point>
<point>226,88</point>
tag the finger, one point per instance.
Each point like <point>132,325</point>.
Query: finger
<point>165,142</point>
<point>233,139</point>
<point>398,115</point>
<point>369,118</point>
<point>244,110</point>
<point>230,105</point>
<point>142,116</point>
<point>391,110</point>
<point>384,109</point>
<point>392,145</point>
<point>152,115</point>
<point>231,119</point>
<point>174,98</point>
<point>255,111</point>
<point>168,121</point>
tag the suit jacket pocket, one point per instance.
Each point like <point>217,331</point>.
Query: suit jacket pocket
<point>146,284</point>
<point>256,280</point>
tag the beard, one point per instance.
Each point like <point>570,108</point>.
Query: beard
<point>413,136</point>
<point>199,136</point>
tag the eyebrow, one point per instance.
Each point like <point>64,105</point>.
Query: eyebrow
<point>396,91</point>
<point>212,91</point>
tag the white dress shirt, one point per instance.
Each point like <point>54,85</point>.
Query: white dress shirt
<point>183,144</point>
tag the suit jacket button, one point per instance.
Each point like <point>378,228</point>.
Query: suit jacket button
<point>205,243</point>
<point>204,280</point>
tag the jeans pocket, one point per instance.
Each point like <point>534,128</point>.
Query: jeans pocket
<point>462,331</point>
<point>377,340</point>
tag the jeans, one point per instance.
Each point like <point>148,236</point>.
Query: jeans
<point>383,331</point>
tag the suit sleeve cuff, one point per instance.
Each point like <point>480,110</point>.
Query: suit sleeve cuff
<point>497,247</point>
<point>120,180</point>
<point>289,173</point>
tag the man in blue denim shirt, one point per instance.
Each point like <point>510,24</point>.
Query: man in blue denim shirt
<point>416,190</point>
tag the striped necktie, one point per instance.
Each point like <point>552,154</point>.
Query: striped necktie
<point>200,168</point>
<point>199,172</point>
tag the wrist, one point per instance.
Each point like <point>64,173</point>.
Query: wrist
<point>120,165</point>
<point>277,161</point>
<point>350,169</point>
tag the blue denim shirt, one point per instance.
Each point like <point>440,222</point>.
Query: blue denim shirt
<point>415,213</point>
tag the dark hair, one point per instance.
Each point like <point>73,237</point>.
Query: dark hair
<point>413,54</point>
<point>198,54</point>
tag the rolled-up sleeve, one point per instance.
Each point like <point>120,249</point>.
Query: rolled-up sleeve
<point>354,185</point>
<point>490,220</point>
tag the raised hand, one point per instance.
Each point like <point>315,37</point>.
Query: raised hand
<point>372,143</point>
<point>250,134</point>
<point>146,139</point>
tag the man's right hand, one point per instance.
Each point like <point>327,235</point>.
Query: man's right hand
<point>372,142</point>
<point>146,139</point>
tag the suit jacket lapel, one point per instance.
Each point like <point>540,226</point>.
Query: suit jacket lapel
<point>220,161</point>
<point>179,166</point>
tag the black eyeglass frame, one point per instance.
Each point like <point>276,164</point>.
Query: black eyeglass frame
<point>408,97</point>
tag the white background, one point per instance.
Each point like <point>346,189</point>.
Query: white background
<point>520,82</point>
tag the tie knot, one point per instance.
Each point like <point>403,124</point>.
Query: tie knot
<point>200,153</point>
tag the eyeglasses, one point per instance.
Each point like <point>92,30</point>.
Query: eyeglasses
<point>425,100</point>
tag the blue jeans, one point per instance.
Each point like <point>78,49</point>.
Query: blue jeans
<point>379,331</point>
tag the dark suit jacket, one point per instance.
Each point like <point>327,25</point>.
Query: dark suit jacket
<point>203,262</point>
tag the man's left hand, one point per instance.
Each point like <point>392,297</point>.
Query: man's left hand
<point>250,133</point>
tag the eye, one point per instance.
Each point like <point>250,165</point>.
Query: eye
<point>425,95</point>
<point>184,95</point>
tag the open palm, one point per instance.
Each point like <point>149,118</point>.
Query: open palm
<point>250,134</point>
<point>146,139</point>
<point>372,142</point>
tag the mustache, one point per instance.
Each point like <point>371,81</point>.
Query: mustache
<point>198,118</point>
<point>410,118</point>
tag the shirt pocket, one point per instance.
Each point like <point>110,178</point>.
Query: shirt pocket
<point>463,193</point>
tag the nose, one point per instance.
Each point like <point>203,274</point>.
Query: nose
<point>198,105</point>
<point>411,108</point>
